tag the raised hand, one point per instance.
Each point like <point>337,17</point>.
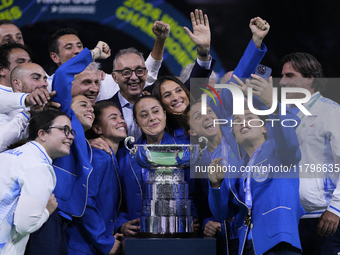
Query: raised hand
<point>241,84</point>
<point>201,31</point>
<point>40,99</point>
<point>217,176</point>
<point>259,29</point>
<point>161,30</point>
<point>262,89</point>
<point>101,51</point>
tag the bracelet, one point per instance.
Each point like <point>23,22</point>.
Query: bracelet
<point>100,52</point>
<point>203,54</point>
<point>92,53</point>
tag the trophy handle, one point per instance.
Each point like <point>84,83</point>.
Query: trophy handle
<point>200,140</point>
<point>128,139</point>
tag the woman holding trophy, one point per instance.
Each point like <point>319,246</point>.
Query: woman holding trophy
<point>151,119</point>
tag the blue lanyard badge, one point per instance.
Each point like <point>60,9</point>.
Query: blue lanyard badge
<point>221,151</point>
<point>248,197</point>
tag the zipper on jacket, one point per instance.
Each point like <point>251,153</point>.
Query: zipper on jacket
<point>249,215</point>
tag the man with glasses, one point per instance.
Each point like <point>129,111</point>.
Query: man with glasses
<point>65,44</point>
<point>130,73</point>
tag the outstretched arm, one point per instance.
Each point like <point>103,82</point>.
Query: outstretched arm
<point>253,56</point>
<point>154,61</point>
<point>13,130</point>
<point>64,76</point>
<point>286,142</point>
<point>11,101</point>
<point>259,29</point>
<point>201,34</point>
<point>201,37</point>
<point>247,65</point>
<point>161,31</point>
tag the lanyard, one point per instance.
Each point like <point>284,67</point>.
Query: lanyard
<point>248,197</point>
<point>224,152</point>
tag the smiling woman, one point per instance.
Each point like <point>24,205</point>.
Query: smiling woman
<point>27,179</point>
<point>151,119</point>
<point>175,98</point>
<point>203,125</point>
<point>249,135</point>
<point>70,191</point>
<point>109,124</point>
<point>260,196</point>
<point>83,109</point>
<point>93,234</point>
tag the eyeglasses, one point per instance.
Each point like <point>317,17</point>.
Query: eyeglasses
<point>65,128</point>
<point>126,73</point>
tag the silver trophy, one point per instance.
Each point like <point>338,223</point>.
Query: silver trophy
<point>166,205</point>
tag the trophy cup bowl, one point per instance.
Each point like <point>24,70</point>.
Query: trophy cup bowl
<point>166,205</point>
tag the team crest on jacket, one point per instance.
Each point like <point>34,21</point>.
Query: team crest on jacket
<point>260,175</point>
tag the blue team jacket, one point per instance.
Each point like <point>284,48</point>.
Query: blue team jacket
<point>246,66</point>
<point>276,208</point>
<point>72,171</point>
<point>92,233</point>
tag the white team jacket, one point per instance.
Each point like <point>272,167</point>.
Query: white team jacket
<point>27,180</point>
<point>14,118</point>
<point>319,138</point>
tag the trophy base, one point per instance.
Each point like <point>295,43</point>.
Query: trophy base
<point>166,224</point>
<point>168,246</point>
<point>166,235</point>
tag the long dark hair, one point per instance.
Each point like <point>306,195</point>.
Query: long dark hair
<point>135,113</point>
<point>173,120</point>
<point>41,120</point>
<point>98,109</point>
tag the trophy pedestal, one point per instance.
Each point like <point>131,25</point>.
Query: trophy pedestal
<point>167,225</point>
<point>166,204</point>
<point>168,246</point>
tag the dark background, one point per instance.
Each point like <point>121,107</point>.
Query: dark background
<point>307,26</point>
